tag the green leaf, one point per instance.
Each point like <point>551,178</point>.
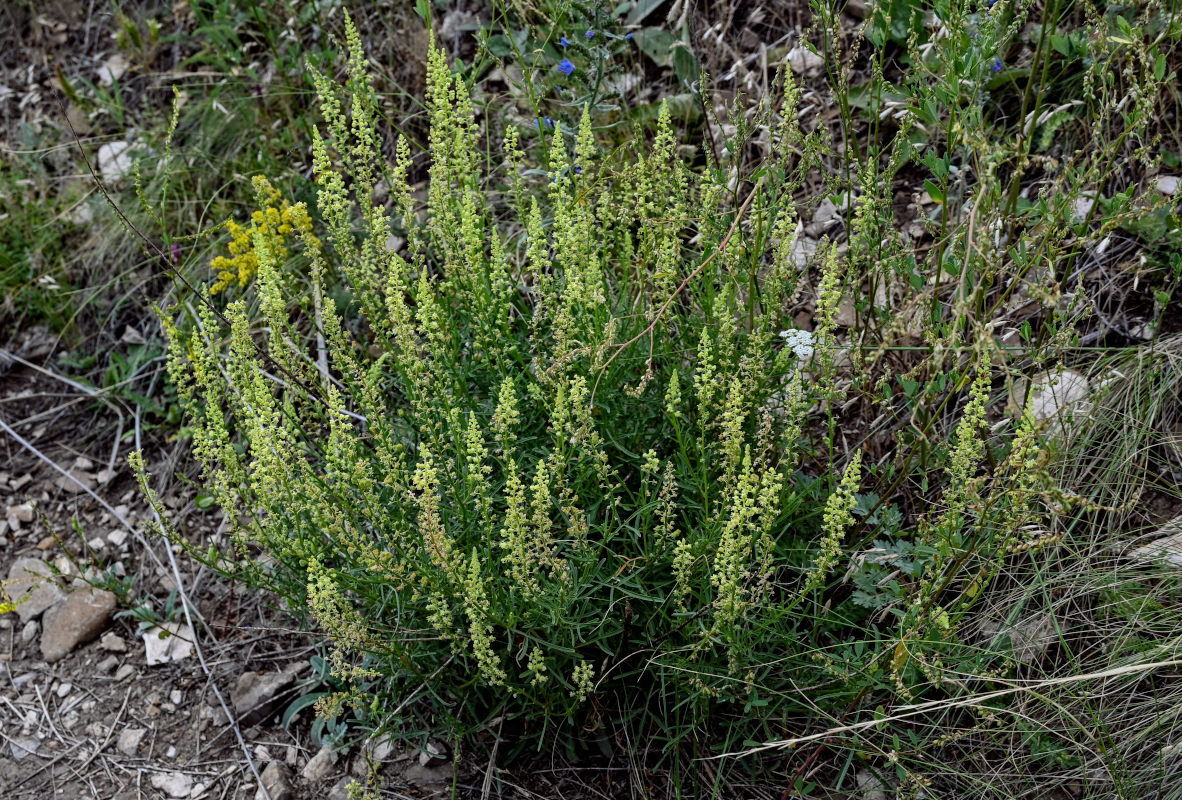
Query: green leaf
<point>936,193</point>
<point>641,10</point>
<point>657,44</point>
<point>684,64</point>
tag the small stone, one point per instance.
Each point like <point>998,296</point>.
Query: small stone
<point>382,750</point>
<point>292,756</point>
<point>170,752</point>
<point>76,483</point>
<point>107,664</point>
<point>1051,393</point>
<point>262,754</point>
<point>434,754</point>
<point>23,746</point>
<point>173,784</point>
<point>83,463</point>
<point>76,621</point>
<point>254,696</point>
<point>129,741</point>
<point>117,537</point>
<point>125,672</point>
<point>22,512</point>
<point>97,543</point>
<point>32,586</point>
<point>1167,184</point>
<point>276,779</point>
<point>30,631</point>
<point>320,765</point>
<point>847,313</point>
<point>105,476</point>
<point>114,162</point>
<point>340,789</point>
<point>428,777</point>
<point>1166,544</point>
<point>1082,205</point>
<point>176,696</point>
<point>197,791</point>
<point>1029,639</point>
<point>173,642</point>
<point>870,785</point>
<point>804,61</point>
<point>112,69</point>
<point>64,689</point>
<point>113,643</point>
<point>48,543</point>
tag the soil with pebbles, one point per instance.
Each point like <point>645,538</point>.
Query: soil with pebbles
<point>93,701</point>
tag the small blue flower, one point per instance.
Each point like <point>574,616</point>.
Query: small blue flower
<point>628,36</point>
<point>545,122</point>
<point>565,67</point>
<point>996,65</point>
<point>564,41</point>
<point>578,170</point>
<point>590,34</point>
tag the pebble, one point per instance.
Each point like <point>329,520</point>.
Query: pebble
<point>125,672</point>
<point>320,765</point>
<point>107,664</point>
<point>65,689</point>
<point>129,741</point>
<point>23,746</point>
<point>31,585</point>
<point>340,790</point>
<point>276,779</point>
<point>117,537</point>
<point>113,643</point>
<point>176,696</point>
<point>114,162</point>
<point>47,543</point>
<point>173,642</point>
<point>254,695</point>
<point>174,784</point>
<point>29,632</point>
<point>77,620</point>
<point>428,777</point>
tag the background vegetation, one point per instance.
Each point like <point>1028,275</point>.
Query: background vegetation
<point>821,362</point>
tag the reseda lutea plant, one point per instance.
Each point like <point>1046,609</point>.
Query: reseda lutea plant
<point>551,467</point>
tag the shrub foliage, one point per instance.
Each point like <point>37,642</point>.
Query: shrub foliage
<point>547,443</point>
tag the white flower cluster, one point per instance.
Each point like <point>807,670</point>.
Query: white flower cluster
<point>801,343</point>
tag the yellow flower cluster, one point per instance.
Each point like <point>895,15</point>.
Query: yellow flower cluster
<point>277,221</point>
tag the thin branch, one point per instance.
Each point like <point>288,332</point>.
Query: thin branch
<point>688,278</point>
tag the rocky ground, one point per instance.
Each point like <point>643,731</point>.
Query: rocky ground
<point>98,700</point>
